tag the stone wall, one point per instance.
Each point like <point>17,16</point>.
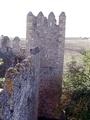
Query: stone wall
<point>45,36</point>
<point>12,44</point>
<point>33,87</point>
<point>20,95</point>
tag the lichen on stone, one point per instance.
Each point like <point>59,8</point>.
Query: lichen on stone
<point>10,72</point>
<point>8,80</point>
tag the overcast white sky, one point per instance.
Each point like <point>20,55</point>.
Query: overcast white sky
<point>13,15</point>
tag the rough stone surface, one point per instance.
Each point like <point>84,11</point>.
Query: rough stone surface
<point>45,34</point>
<point>7,61</point>
<point>20,98</point>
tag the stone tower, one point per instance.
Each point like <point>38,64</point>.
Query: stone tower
<point>47,38</point>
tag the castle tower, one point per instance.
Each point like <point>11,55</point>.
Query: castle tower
<point>47,38</point>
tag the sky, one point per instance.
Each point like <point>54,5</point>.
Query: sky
<point>13,15</point>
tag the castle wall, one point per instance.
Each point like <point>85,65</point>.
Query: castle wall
<point>20,96</point>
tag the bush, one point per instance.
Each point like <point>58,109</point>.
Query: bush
<point>77,81</point>
<point>77,76</point>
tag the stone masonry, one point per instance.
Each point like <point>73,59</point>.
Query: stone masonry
<point>33,87</point>
<point>20,95</point>
<point>45,36</point>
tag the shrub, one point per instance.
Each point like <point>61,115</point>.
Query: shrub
<point>77,76</point>
<point>77,81</point>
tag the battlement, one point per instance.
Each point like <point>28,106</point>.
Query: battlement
<point>40,19</point>
<point>15,45</point>
<point>42,22</point>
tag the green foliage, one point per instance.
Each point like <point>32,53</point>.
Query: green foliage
<point>77,75</point>
<point>1,61</point>
<point>77,80</point>
<point>2,82</point>
<point>79,107</point>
